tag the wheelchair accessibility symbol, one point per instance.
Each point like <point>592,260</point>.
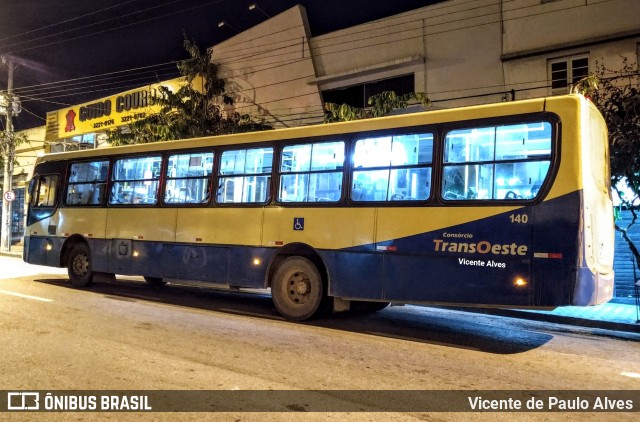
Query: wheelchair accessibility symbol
<point>298,223</point>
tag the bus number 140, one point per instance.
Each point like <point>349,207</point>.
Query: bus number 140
<point>519,218</point>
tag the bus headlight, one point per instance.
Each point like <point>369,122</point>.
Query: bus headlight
<point>48,247</point>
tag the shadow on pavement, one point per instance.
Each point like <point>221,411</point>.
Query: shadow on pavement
<point>445,327</point>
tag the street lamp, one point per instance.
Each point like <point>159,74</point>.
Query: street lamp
<point>254,6</point>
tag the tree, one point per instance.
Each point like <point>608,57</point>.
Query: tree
<point>5,145</point>
<point>189,112</point>
<point>617,96</point>
<point>381,104</point>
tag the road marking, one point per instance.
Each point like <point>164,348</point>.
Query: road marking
<point>631,374</point>
<point>42,299</point>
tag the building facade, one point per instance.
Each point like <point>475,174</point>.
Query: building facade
<point>458,53</point>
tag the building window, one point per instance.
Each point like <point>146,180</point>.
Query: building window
<point>565,72</point>
<point>358,95</point>
<point>17,219</point>
<point>86,141</point>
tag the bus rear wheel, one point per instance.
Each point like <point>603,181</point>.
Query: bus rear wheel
<point>298,290</point>
<point>79,265</point>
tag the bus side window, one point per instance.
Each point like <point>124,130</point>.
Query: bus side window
<point>245,176</point>
<point>507,162</point>
<point>86,183</point>
<point>44,191</point>
<point>188,178</point>
<point>135,181</point>
<point>393,168</point>
<point>312,172</point>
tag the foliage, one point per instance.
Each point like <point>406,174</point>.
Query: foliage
<point>617,96</point>
<point>6,147</point>
<point>380,105</point>
<point>189,112</point>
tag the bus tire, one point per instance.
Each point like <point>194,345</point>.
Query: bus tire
<point>298,290</point>
<point>155,281</point>
<point>79,265</point>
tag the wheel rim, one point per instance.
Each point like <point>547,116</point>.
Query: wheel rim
<point>298,288</point>
<point>80,265</point>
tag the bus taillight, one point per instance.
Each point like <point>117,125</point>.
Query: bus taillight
<point>519,282</point>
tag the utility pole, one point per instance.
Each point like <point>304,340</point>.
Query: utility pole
<point>8,155</point>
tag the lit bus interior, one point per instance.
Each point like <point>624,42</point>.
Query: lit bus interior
<point>498,162</point>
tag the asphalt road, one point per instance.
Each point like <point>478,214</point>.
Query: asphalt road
<point>129,336</point>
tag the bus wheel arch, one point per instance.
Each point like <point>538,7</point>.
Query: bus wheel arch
<point>155,281</point>
<point>299,284</point>
<point>76,256</point>
<point>68,245</point>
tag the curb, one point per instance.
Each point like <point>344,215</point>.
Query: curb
<point>558,319</point>
<point>12,254</point>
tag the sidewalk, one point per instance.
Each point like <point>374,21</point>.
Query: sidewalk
<point>16,251</point>
<point>619,314</point>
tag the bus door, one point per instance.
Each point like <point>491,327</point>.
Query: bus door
<point>42,219</point>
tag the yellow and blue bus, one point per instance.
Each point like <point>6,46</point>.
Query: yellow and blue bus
<point>502,205</point>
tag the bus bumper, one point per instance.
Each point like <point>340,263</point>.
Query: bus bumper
<point>592,289</point>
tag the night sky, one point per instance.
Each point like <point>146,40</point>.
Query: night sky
<point>63,40</point>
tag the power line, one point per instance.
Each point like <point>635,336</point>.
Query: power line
<point>297,42</point>
<point>32,113</point>
<point>279,55</point>
<point>66,21</point>
<point>157,76</point>
<point>83,78</point>
<point>117,27</point>
<point>108,86</point>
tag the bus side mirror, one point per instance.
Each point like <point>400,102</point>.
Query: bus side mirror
<point>33,186</point>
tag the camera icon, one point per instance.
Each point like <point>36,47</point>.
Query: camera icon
<point>27,400</point>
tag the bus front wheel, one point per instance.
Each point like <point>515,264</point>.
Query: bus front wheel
<point>79,265</point>
<point>297,289</point>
